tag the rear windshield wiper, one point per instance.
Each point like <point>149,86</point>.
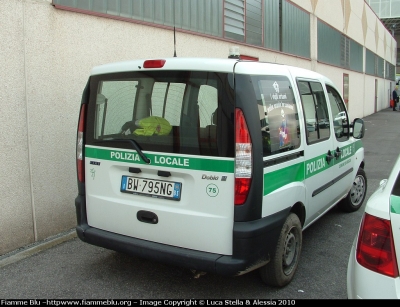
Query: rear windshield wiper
<point>133,143</point>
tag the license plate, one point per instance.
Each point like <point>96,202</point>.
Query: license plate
<point>152,188</point>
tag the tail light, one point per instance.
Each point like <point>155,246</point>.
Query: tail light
<point>244,162</point>
<point>80,162</point>
<point>375,248</point>
<point>153,63</point>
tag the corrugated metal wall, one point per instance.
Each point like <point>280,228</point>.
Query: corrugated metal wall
<point>254,22</point>
<point>271,25</point>
<point>369,62</point>
<point>295,30</point>
<point>356,56</point>
<point>329,44</point>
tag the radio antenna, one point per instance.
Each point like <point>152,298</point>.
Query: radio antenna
<point>174,31</point>
<point>174,44</point>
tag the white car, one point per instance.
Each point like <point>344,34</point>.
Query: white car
<point>341,116</point>
<point>373,271</point>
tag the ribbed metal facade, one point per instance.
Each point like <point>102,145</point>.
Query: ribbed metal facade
<point>329,44</point>
<point>295,30</point>
<point>369,62</point>
<point>254,22</point>
<point>356,56</point>
<point>271,25</point>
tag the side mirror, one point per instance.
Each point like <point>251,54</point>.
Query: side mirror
<point>358,128</point>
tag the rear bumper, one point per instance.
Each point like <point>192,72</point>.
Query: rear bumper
<point>253,243</point>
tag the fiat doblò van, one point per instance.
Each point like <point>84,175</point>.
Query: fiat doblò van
<point>216,165</point>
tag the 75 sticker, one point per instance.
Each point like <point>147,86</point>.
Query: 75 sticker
<point>212,190</point>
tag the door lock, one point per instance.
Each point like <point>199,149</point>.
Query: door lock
<point>338,152</point>
<point>329,157</point>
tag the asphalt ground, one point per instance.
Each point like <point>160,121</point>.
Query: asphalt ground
<point>64,267</point>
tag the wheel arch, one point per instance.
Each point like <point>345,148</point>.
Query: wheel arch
<point>300,210</point>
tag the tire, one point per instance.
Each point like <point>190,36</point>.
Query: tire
<point>280,270</point>
<point>356,195</point>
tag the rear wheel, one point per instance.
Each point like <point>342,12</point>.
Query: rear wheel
<point>356,195</point>
<point>280,270</point>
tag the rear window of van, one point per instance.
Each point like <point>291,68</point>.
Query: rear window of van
<point>166,111</point>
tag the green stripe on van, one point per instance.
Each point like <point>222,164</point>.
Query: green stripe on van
<point>282,177</point>
<point>175,161</point>
<point>395,204</point>
<point>300,171</point>
<point>317,165</point>
<point>358,144</point>
<point>272,180</point>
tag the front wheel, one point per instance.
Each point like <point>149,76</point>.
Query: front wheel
<point>280,270</point>
<point>356,195</point>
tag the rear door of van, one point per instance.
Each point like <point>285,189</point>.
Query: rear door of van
<point>159,156</point>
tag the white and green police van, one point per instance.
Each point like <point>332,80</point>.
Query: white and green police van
<point>215,165</point>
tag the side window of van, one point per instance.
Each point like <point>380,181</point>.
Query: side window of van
<point>340,117</point>
<point>279,119</point>
<point>316,115</point>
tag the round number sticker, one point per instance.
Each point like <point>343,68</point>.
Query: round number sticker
<point>212,190</point>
